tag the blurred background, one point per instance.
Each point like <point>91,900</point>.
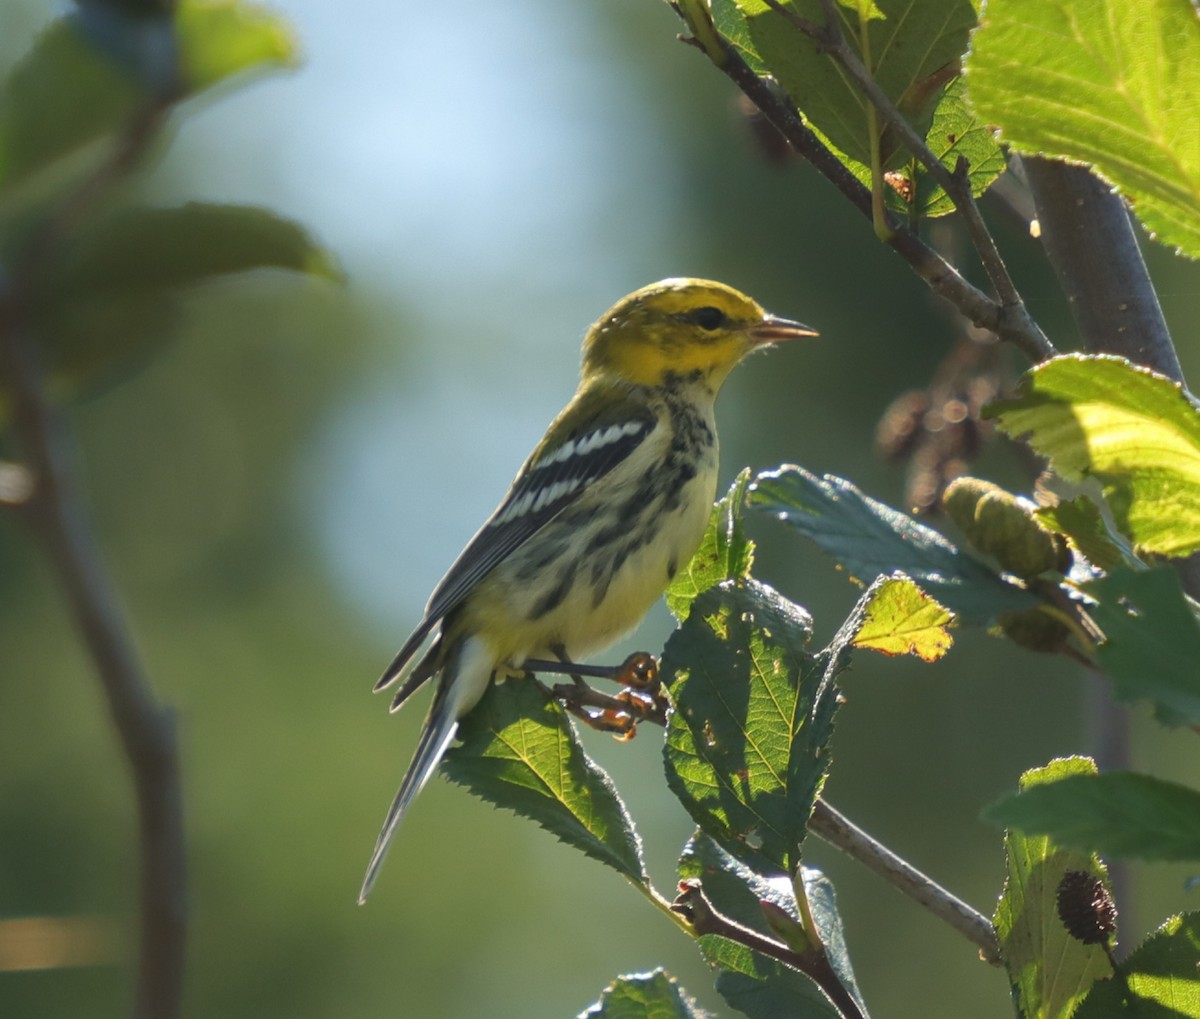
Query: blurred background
<point>279,490</point>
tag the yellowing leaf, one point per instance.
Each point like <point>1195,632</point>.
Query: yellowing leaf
<point>901,619</point>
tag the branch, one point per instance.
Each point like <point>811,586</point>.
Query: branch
<point>146,729</point>
<point>1010,322</point>
<point>838,830</point>
<point>705,918</point>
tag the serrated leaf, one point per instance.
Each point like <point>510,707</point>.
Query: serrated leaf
<point>901,619</point>
<point>908,45</point>
<point>519,751</point>
<point>1084,526</point>
<point>1103,82</point>
<point>1135,431</point>
<point>748,743</point>
<point>1160,973</point>
<point>653,995</point>
<point>222,38</point>
<point>1049,969</point>
<point>756,985</point>
<point>725,552</point>
<point>1116,814</point>
<point>1152,641</point>
<point>870,539</point>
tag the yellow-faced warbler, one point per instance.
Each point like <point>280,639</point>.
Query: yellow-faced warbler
<point>609,505</point>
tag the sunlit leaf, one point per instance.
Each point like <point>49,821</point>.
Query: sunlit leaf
<point>1160,973</point>
<point>1152,641</point>
<point>747,745</point>
<point>1084,526</point>
<point>1050,970</point>
<point>1103,82</point>
<point>725,553</point>
<point>654,995</point>
<point>901,619</point>
<point>870,539</point>
<point>222,38</point>
<point>1116,814</point>
<point>519,751</point>
<point>1132,429</point>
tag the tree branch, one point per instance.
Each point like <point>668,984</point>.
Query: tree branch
<point>1010,322</point>
<point>146,729</point>
<point>839,831</point>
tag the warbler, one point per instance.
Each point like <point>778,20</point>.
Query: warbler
<point>604,512</point>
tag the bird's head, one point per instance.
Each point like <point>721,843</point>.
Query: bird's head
<point>681,326</point>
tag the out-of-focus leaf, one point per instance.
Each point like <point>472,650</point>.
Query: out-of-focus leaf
<point>1152,641</point>
<point>519,751</point>
<point>111,301</point>
<point>1135,431</point>
<point>725,553</point>
<point>1050,970</point>
<point>1081,521</point>
<point>90,74</point>
<point>870,539</point>
<point>1103,82</point>
<point>1160,973</point>
<point>901,619</point>
<point>221,38</point>
<point>654,995</point>
<point>1116,814</point>
<point>754,984</point>
<point>747,745</point>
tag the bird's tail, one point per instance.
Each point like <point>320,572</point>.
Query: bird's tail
<point>438,732</point>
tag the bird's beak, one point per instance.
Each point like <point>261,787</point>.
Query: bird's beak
<point>772,328</point>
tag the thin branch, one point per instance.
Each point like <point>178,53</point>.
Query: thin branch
<point>705,918</point>
<point>1010,323</point>
<point>839,831</point>
<point>146,729</point>
<point>831,39</point>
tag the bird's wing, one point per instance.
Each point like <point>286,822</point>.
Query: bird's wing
<point>591,437</point>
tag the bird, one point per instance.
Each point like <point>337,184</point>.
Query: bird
<point>610,504</point>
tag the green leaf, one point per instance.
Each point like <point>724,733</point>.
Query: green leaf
<point>725,553</point>
<point>748,743</point>
<point>654,995</point>
<point>870,539</point>
<point>111,300</point>
<point>907,51</point>
<point>91,74</point>
<point>222,38</point>
<point>1084,526</point>
<point>756,985</point>
<point>1160,973</point>
<point>1152,641</point>
<point>1049,969</point>
<point>520,752</point>
<point>1135,431</point>
<point>957,131</point>
<point>1117,814</point>
<point>1104,82</point>
<point>901,619</point>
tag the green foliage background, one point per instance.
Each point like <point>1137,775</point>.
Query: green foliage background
<point>279,489</point>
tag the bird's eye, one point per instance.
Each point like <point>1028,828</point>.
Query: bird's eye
<point>708,317</point>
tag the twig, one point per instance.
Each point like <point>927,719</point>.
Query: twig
<point>705,918</point>
<point>840,831</point>
<point>146,729</point>
<point>1010,323</point>
<point>831,39</point>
